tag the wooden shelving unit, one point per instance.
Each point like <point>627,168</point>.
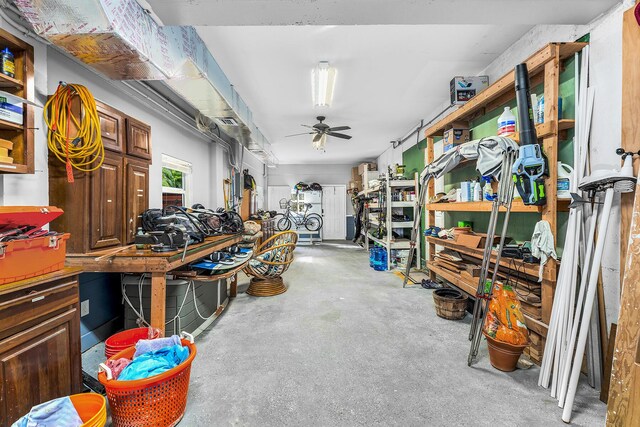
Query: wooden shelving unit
<point>544,68</point>
<point>21,135</point>
<point>517,206</point>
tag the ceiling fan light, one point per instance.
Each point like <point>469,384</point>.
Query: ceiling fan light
<point>320,143</point>
<point>323,80</point>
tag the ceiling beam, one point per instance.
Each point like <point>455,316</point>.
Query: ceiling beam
<point>376,12</point>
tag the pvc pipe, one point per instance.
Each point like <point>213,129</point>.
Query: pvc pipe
<point>581,296</point>
<point>586,313</point>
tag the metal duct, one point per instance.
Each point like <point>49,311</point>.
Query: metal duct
<point>120,39</point>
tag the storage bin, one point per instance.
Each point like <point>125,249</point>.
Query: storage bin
<point>23,259</point>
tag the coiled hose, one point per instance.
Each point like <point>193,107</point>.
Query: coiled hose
<point>75,141</point>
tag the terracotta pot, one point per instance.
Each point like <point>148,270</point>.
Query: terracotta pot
<point>503,356</point>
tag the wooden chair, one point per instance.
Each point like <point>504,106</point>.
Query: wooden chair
<point>272,259</point>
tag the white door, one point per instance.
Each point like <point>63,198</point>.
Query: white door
<point>276,193</point>
<point>334,206</point>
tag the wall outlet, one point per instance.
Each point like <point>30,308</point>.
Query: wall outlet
<point>84,308</point>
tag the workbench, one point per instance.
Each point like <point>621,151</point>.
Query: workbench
<point>157,264</point>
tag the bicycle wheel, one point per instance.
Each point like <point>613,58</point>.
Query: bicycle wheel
<point>283,224</point>
<point>313,222</point>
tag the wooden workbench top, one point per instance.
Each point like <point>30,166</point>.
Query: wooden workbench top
<point>132,260</point>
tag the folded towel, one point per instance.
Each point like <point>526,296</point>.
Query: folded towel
<point>54,413</point>
<point>154,363</point>
<point>117,366</point>
<point>146,346</point>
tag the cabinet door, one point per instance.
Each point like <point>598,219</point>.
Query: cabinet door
<point>106,203</point>
<point>138,139</point>
<point>111,128</point>
<point>137,194</point>
<point>39,364</point>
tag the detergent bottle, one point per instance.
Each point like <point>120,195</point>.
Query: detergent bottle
<point>506,123</point>
<point>564,181</point>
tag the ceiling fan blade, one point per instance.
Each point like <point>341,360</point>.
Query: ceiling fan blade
<point>339,135</point>
<point>307,126</point>
<point>337,128</point>
<point>298,134</point>
<point>317,137</point>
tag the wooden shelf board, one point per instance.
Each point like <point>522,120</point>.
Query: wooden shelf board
<point>524,267</point>
<point>535,64</point>
<point>10,82</point>
<point>5,125</point>
<point>13,168</point>
<point>469,288</point>
<point>517,206</point>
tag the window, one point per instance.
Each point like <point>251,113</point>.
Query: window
<point>176,182</point>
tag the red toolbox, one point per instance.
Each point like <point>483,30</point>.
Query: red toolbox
<point>29,257</point>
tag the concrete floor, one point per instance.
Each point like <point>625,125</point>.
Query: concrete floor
<point>346,345</point>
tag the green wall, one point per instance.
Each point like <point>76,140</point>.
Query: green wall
<point>521,224</point>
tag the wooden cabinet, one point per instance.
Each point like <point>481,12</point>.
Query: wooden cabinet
<point>102,207</point>
<point>138,139</point>
<point>106,201</point>
<point>39,342</point>
<point>112,128</point>
<point>137,195</point>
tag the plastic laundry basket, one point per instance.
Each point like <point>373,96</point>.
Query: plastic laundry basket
<point>127,338</point>
<point>157,401</point>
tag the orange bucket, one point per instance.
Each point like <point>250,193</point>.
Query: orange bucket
<point>91,407</point>
<point>157,401</point>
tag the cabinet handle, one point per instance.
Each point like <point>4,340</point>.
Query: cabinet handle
<point>36,299</point>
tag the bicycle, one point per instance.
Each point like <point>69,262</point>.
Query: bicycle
<point>284,221</point>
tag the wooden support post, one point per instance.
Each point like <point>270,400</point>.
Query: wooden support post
<point>623,407</point>
<point>630,123</point>
<point>550,148</point>
<point>158,300</point>
<point>233,288</point>
<point>431,215</point>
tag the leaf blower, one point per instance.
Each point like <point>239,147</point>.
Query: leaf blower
<point>531,165</point>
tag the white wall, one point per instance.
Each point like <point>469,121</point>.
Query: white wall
<point>322,174</point>
<point>209,161</point>
<point>167,138</point>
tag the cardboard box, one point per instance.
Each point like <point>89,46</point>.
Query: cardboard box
<point>372,166</point>
<point>10,108</point>
<point>474,240</point>
<point>355,185</point>
<point>462,89</point>
<point>454,137</point>
<point>354,173</point>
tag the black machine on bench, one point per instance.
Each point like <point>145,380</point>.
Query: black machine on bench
<point>176,227</point>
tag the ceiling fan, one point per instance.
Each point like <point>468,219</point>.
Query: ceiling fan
<point>321,130</point>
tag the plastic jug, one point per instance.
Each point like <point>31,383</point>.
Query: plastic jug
<point>381,259</point>
<point>564,181</point>
<point>506,123</point>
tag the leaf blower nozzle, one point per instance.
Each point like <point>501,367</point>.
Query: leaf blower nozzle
<point>531,165</point>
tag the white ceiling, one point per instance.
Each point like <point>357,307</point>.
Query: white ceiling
<point>389,76</point>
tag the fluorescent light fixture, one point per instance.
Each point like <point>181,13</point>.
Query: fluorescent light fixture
<point>323,81</point>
